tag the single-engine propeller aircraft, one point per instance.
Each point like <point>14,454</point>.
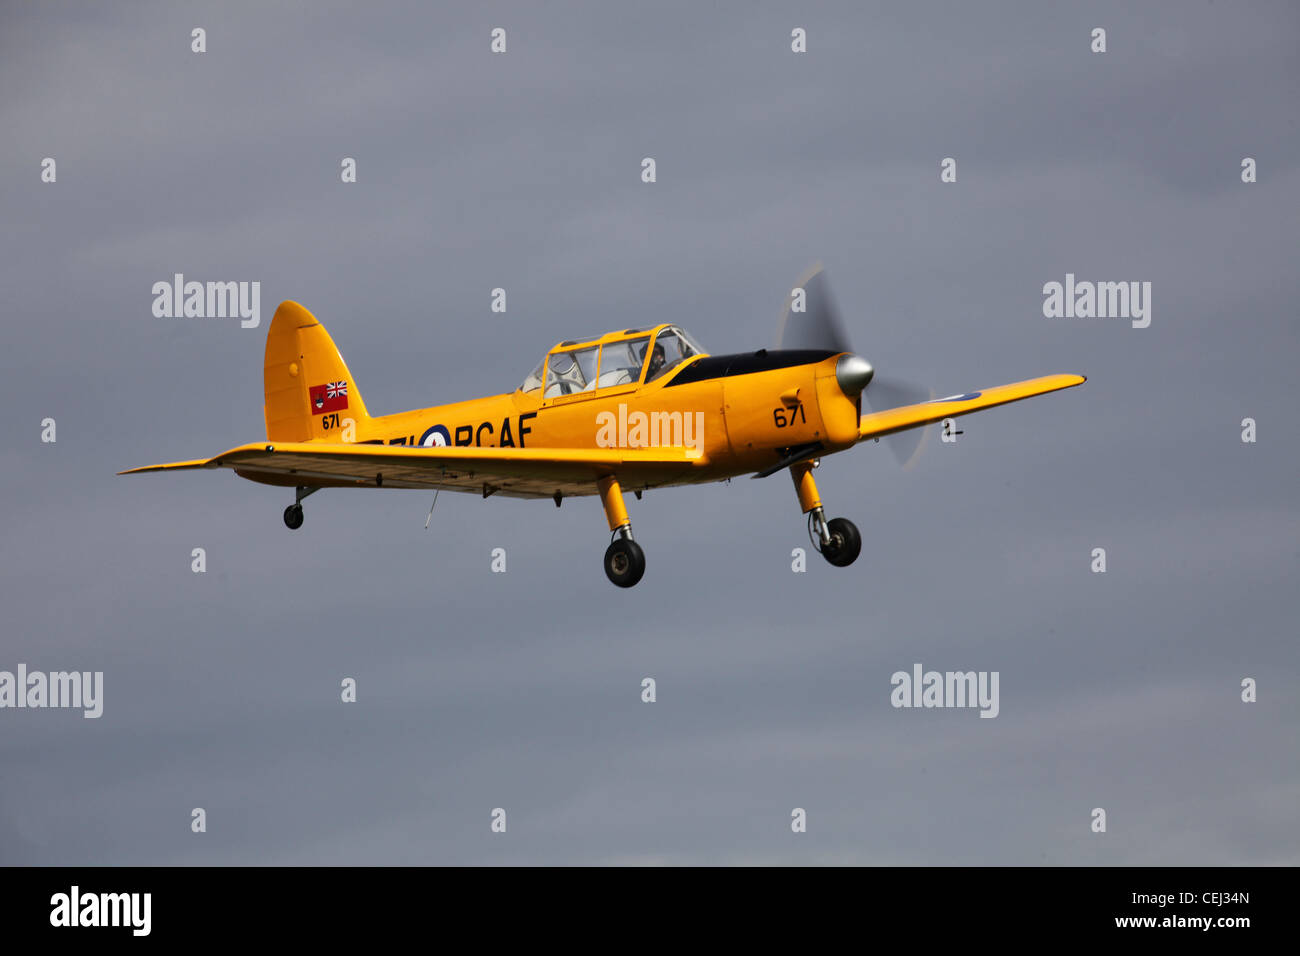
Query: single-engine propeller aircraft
<point>625,411</point>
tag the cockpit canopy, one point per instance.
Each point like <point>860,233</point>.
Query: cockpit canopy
<point>619,358</point>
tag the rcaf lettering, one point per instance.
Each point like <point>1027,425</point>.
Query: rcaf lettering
<point>467,435</point>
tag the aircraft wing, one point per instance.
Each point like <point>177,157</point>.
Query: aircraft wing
<point>893,420</point>
<point>513,472</point>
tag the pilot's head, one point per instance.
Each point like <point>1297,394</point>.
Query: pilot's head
<point>656,360</point>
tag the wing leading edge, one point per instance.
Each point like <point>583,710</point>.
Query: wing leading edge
<point>893,420</point>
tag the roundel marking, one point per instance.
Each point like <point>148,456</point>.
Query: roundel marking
<point>436,437</point>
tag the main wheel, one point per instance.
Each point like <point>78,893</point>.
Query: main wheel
<point>846,543</point>
<point>624,562</point>
<point>293,517</point>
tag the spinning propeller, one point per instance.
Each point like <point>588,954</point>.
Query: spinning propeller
<point>819,326</point>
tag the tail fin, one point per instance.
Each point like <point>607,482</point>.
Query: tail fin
<point>310,393</point>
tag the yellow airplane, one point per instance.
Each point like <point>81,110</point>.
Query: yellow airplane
<point>600,415</point>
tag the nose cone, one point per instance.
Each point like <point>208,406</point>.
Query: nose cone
<point>853,372</point>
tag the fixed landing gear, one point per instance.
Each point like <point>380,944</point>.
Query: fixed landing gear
<point>293,513</point>
<point>837,540</point>
<point>624,562</point>
<point>624,559</point>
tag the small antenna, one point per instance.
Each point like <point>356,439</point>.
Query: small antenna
<point>435,501</point>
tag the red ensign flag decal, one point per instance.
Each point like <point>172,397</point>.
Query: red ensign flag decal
<point>330,397</point>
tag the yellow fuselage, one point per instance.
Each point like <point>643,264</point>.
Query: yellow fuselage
<point>739,421</point>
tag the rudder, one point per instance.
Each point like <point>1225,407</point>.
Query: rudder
<point>309,390</point>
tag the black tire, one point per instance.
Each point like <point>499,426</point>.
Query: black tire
<point>293,517</point>
<point>624,562</point>
<point>846,543</point>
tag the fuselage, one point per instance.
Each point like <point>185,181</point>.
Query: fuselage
<point>740,412</point>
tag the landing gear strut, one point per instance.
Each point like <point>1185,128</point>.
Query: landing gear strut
<point>624,559</point>
<point>837,540</point>
<point>293,513</point>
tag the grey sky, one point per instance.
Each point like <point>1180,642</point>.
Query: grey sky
<point>522,690</point>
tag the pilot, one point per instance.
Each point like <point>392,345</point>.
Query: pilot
<point>656,362</point>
